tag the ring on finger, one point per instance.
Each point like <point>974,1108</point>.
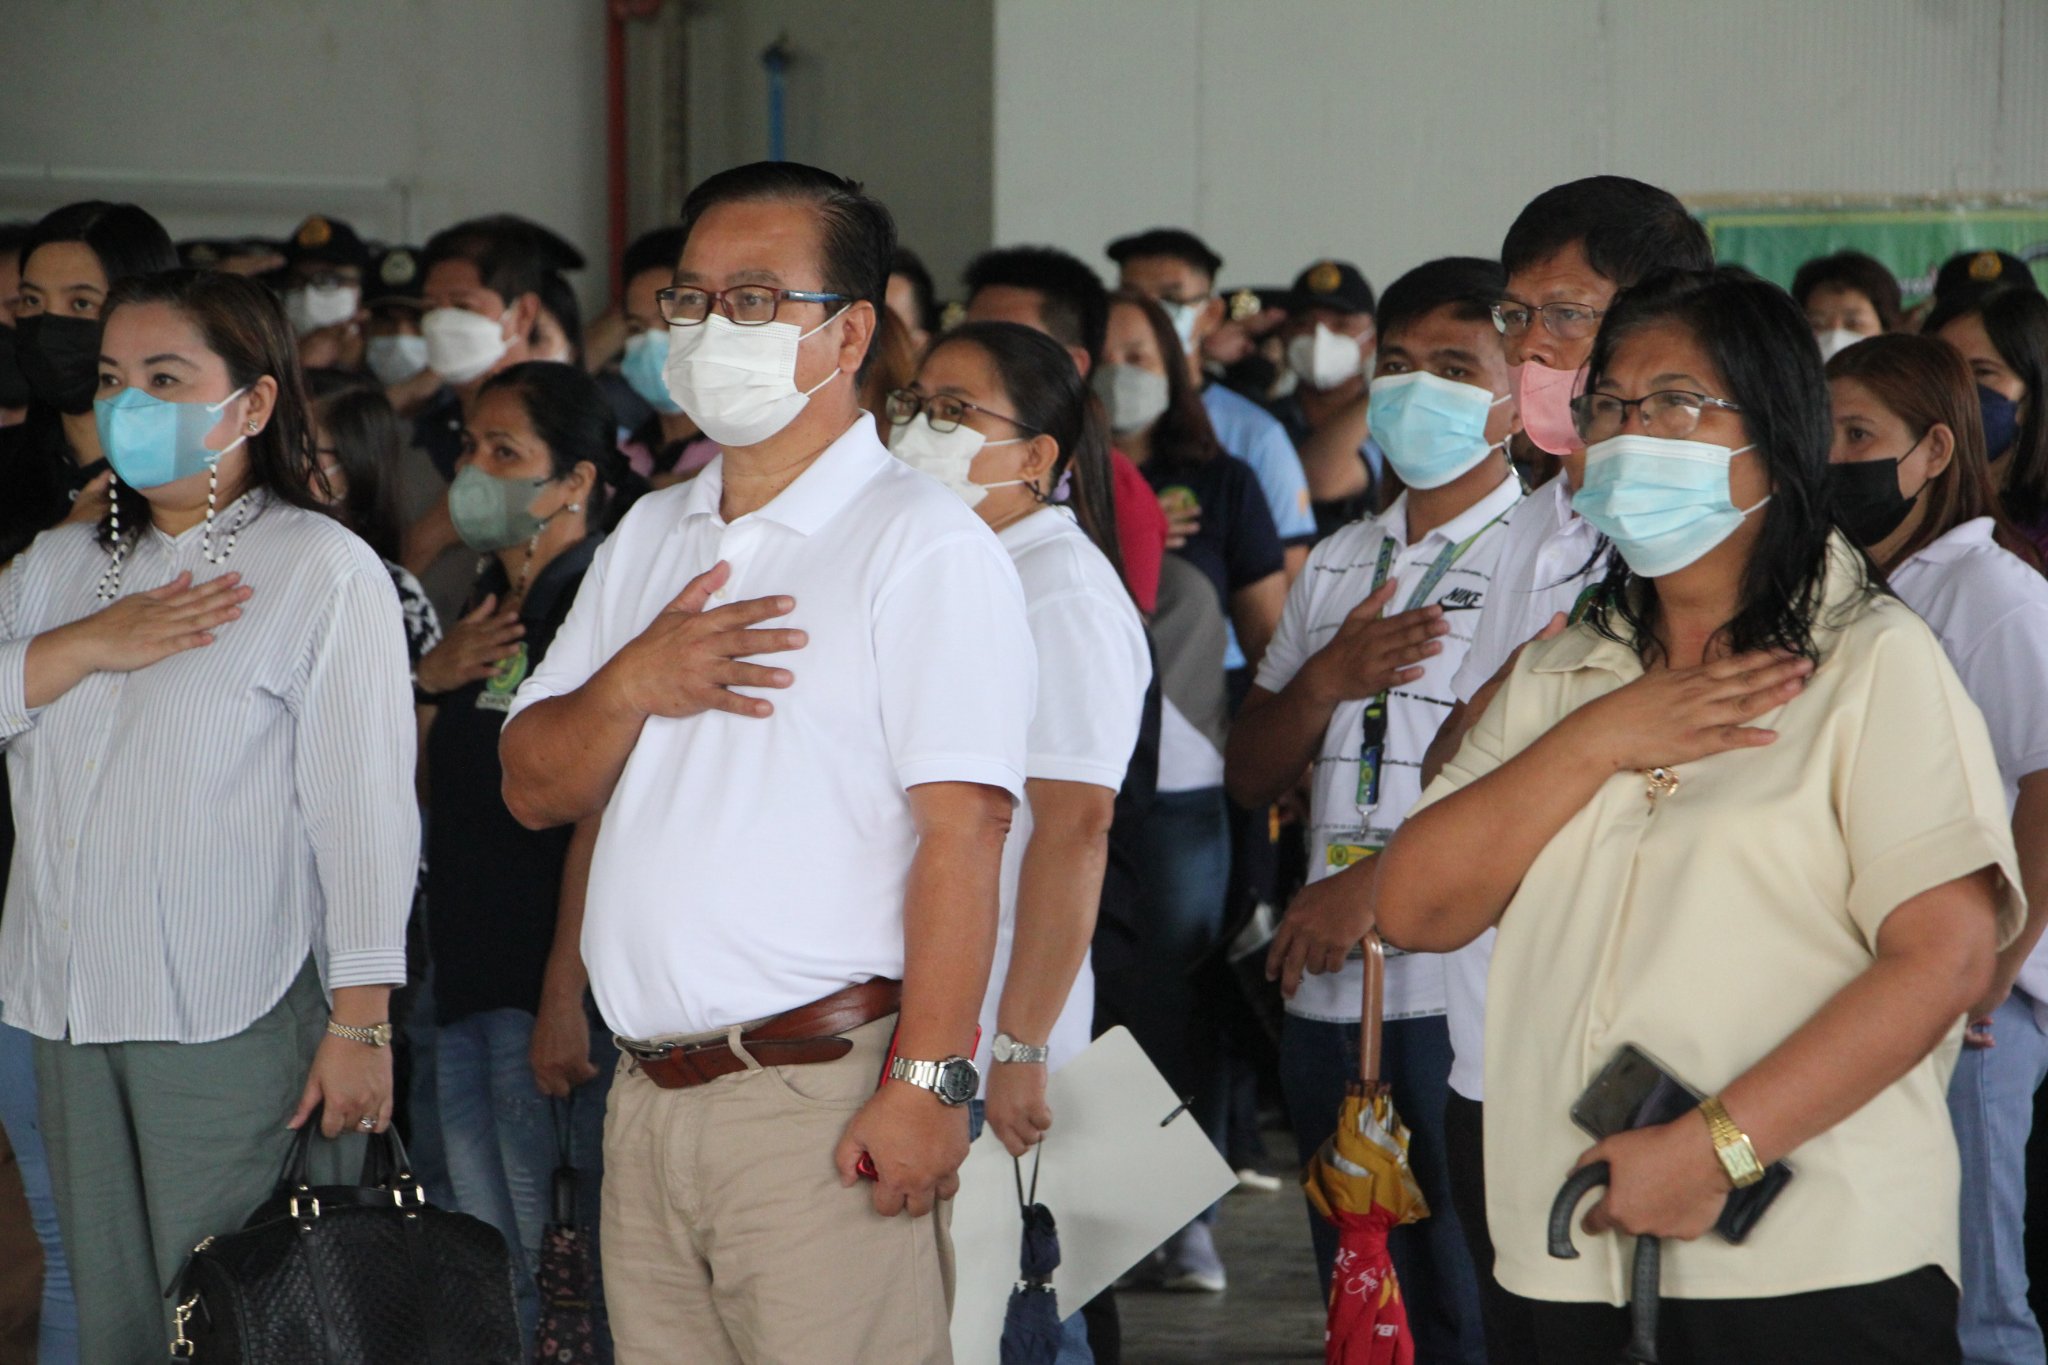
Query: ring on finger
<point>367,1124</point>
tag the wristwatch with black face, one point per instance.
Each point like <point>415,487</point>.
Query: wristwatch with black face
<point>953,1079</point>
<point>1008,1049</point>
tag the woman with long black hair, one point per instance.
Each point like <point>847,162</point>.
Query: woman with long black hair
<point>1745,818</point>
<point>999,414</point>
<point>203,701</point>
<point>2003,335</point>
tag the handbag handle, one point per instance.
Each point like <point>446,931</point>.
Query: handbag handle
<point>385,1163</point>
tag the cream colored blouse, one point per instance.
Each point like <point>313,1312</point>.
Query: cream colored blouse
<point>1709,928</point>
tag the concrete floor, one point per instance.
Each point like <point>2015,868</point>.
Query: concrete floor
<point>1272,1310</point>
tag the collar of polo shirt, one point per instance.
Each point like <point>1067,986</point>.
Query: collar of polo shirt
<point>817,495</point>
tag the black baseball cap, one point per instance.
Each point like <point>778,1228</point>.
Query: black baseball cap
<point>395,279</point>
<point>1337,285</point>
<point>1976,270</point>
<point>327,241</point>
<point>1178,243</point>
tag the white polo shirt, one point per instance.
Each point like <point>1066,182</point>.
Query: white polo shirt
<point>1990,611</point>
<point>1544,553</point>
<point>1093,669</point>
<point>747,866</point>
<point>1452,566</point>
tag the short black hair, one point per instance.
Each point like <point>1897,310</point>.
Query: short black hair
<point>1076,310</point>
<point>1470,284</point>
<point>12,235</point>
<point>127,241</point>
<point>558,300</point>
<point>1853,270</point>
<point>858,230</point>
<point>511,260</point>
<point>1627,229</point>
<point>1178,243</point>
<point>907,264</point>
<point>1758,339</point>
<point>656,250</point>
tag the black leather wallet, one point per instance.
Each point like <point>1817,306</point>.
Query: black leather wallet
<point>1637,1091</point>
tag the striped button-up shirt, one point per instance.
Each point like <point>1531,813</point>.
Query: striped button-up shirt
<point>189,832</point>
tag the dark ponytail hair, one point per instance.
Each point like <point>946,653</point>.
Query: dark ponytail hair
<point>241,322</point>
<point>574,420</point>
<point>1759,343</point>
<point>1046,394</point>
<point>368,442</point>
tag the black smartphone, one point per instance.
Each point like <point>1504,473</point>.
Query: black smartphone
<point>1635,1090</point>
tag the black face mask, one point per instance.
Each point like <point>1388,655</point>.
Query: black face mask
<point>1867,501</point>
<point>14,390</point>
<point>60,358</point>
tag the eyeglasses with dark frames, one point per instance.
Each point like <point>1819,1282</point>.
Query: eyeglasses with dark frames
<point>746,305</point>
<point>945,411</point>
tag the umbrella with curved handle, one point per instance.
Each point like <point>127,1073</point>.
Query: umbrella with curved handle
<point>1645,1276</point>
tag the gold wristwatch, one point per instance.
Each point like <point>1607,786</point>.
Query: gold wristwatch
<point>370,1035</point>
<point>1731,1145</point>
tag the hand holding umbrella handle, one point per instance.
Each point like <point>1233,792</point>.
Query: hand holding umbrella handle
<point>1645,1277</point>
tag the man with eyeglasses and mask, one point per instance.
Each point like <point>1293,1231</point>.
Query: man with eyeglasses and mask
<point>798,688</point>
<point>1569,253</point>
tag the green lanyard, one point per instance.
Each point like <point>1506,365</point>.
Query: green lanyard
<point>1372,749</point>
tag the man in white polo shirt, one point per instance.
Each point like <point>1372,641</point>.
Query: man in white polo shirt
<point>1355,683</point>
<point>1568,253</point>
<point>797,687</point>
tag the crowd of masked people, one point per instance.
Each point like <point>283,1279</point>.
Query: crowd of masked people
<point>612,745</point>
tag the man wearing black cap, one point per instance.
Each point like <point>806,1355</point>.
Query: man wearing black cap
<point>393,347</point>
<point>323,292</point>
<point>1329,335</point>
<point>1178,270</point>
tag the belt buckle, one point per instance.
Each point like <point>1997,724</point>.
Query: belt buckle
<point>644,1052</point>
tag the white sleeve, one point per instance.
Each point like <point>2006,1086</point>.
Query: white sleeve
<point>1490,647</point>
<point>1093,669</point>
<point>2007,676</point>
<point>955,664</point>
<point>1289,649</point>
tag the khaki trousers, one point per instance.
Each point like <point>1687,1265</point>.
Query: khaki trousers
<point>728,1239</point>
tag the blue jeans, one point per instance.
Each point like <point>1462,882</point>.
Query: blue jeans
<point>1074,1348</point>
<point>503,1146</point>
<point>57,1332</point>
<point>1991,1101</point>
<point>1318,1060</point>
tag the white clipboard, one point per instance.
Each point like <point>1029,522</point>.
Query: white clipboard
<point>1124,1167</point>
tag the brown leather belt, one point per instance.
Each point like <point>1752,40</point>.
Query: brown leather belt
<point>808,1033</point>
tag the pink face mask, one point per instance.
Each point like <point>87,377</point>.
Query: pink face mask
<point>1544,398</point>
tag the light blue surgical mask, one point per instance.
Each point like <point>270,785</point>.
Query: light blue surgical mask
<point>642,368</point>
<point>1664,503</point>
<point>151,442</point>
<point>1432,429</point>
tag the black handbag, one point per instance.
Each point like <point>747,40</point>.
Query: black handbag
<point>364,1274</point>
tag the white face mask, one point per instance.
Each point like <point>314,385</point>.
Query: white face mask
<point>738,384</point>
<point>1185,316</point>
<point>947,456</point>
<point>1324,359</point>
<point>1833,343</point>
<point>462,345</point>
<point>1134,397</point>
<point>310,307</point>
<point>395,359</point>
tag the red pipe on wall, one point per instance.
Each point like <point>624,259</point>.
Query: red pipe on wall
<point>615,135</point>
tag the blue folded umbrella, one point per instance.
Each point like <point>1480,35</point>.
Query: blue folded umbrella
<point>1031,1323</point>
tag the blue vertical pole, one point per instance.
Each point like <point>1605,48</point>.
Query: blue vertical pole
<point>775,61</point>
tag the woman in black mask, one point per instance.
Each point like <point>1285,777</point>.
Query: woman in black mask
<point>50,465</point>
<point>1912,484</point>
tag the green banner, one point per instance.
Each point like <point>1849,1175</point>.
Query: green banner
<point>1912,238</point>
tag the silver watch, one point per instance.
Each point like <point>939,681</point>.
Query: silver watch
<point>953,1079</point>
<point>1008,1049</point>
